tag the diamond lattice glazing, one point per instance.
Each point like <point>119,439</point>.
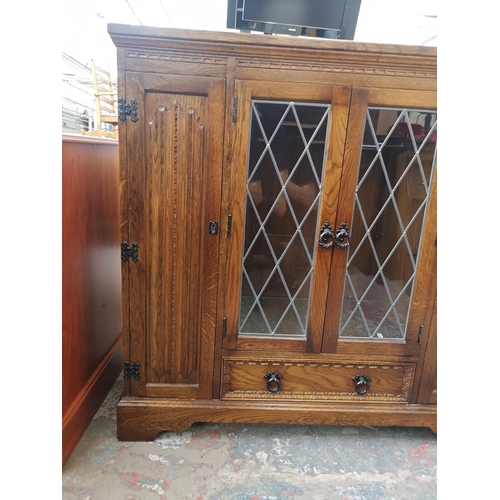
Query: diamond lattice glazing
<point>391,198</point>
<point>285,168</point>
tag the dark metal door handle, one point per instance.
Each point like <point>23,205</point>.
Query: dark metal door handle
<point>342,235</point>
<point>326,235</point>
<point>340,239</point>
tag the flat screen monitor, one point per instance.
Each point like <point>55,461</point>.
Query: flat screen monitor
<point>325,14</point>
<point>319,18</point>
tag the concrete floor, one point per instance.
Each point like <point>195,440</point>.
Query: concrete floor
<point>252,462</point>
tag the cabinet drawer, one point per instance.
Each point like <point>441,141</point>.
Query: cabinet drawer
<point>339,381</point>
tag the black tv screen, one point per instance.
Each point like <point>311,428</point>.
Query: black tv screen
<point>317,18</point>
<point>325,14</point>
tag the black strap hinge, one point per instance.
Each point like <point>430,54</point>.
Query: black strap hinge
<point>131,370</point>
<point>125,109</point>
<point>130,252</point>
<point>224,327</point>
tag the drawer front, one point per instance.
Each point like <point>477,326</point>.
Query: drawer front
<point>339,381</point>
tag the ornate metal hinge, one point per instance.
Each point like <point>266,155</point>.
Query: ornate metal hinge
<point>130,370</point>
<point>125,109</point>
<point>130,252</point>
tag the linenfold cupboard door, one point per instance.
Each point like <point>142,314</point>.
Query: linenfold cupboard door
<point>286,151</point>
<point>174,157</point>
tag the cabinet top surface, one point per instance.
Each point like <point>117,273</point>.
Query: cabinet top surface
<point>130,35</point>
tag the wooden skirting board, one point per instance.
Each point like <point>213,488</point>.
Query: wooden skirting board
<point>81,412</point>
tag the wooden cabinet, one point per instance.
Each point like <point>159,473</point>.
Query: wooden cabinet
<point>91,287</point>
<point>281,196</point>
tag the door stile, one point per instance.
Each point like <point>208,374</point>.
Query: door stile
<point>225,222</point>
<point>428,253</point>
<point>137,230</point>
<point>238,145</point>
<point>334,166</point>
<point>124,217</point>
<point>212,195</point>
<point>353,142</point>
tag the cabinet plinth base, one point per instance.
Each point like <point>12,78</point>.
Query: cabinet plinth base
<point>142,419</point>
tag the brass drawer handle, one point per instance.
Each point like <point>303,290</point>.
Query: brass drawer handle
<point>362,386</point>
<point>273,381</point>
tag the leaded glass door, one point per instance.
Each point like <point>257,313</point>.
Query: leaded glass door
<point>383,279</point>
<point>288,146</point>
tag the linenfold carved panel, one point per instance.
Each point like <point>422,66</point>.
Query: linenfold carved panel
<point>175,179</point>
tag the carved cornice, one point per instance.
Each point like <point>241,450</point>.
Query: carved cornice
<point>365,69</point>
<point>290,65</point>
<point>177,57</point>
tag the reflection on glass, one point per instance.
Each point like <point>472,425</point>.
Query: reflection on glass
<point>285,168</point>
<point>398,156</point>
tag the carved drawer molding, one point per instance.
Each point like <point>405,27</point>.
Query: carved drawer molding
<point>309,380</point>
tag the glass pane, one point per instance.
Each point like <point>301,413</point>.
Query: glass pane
<point>284,175</point>
<point>398,156</point>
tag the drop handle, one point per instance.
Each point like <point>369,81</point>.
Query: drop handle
<point>341,239</point>
<point>273,381</point>
<point>362,386</point>
<point>326,235</point>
